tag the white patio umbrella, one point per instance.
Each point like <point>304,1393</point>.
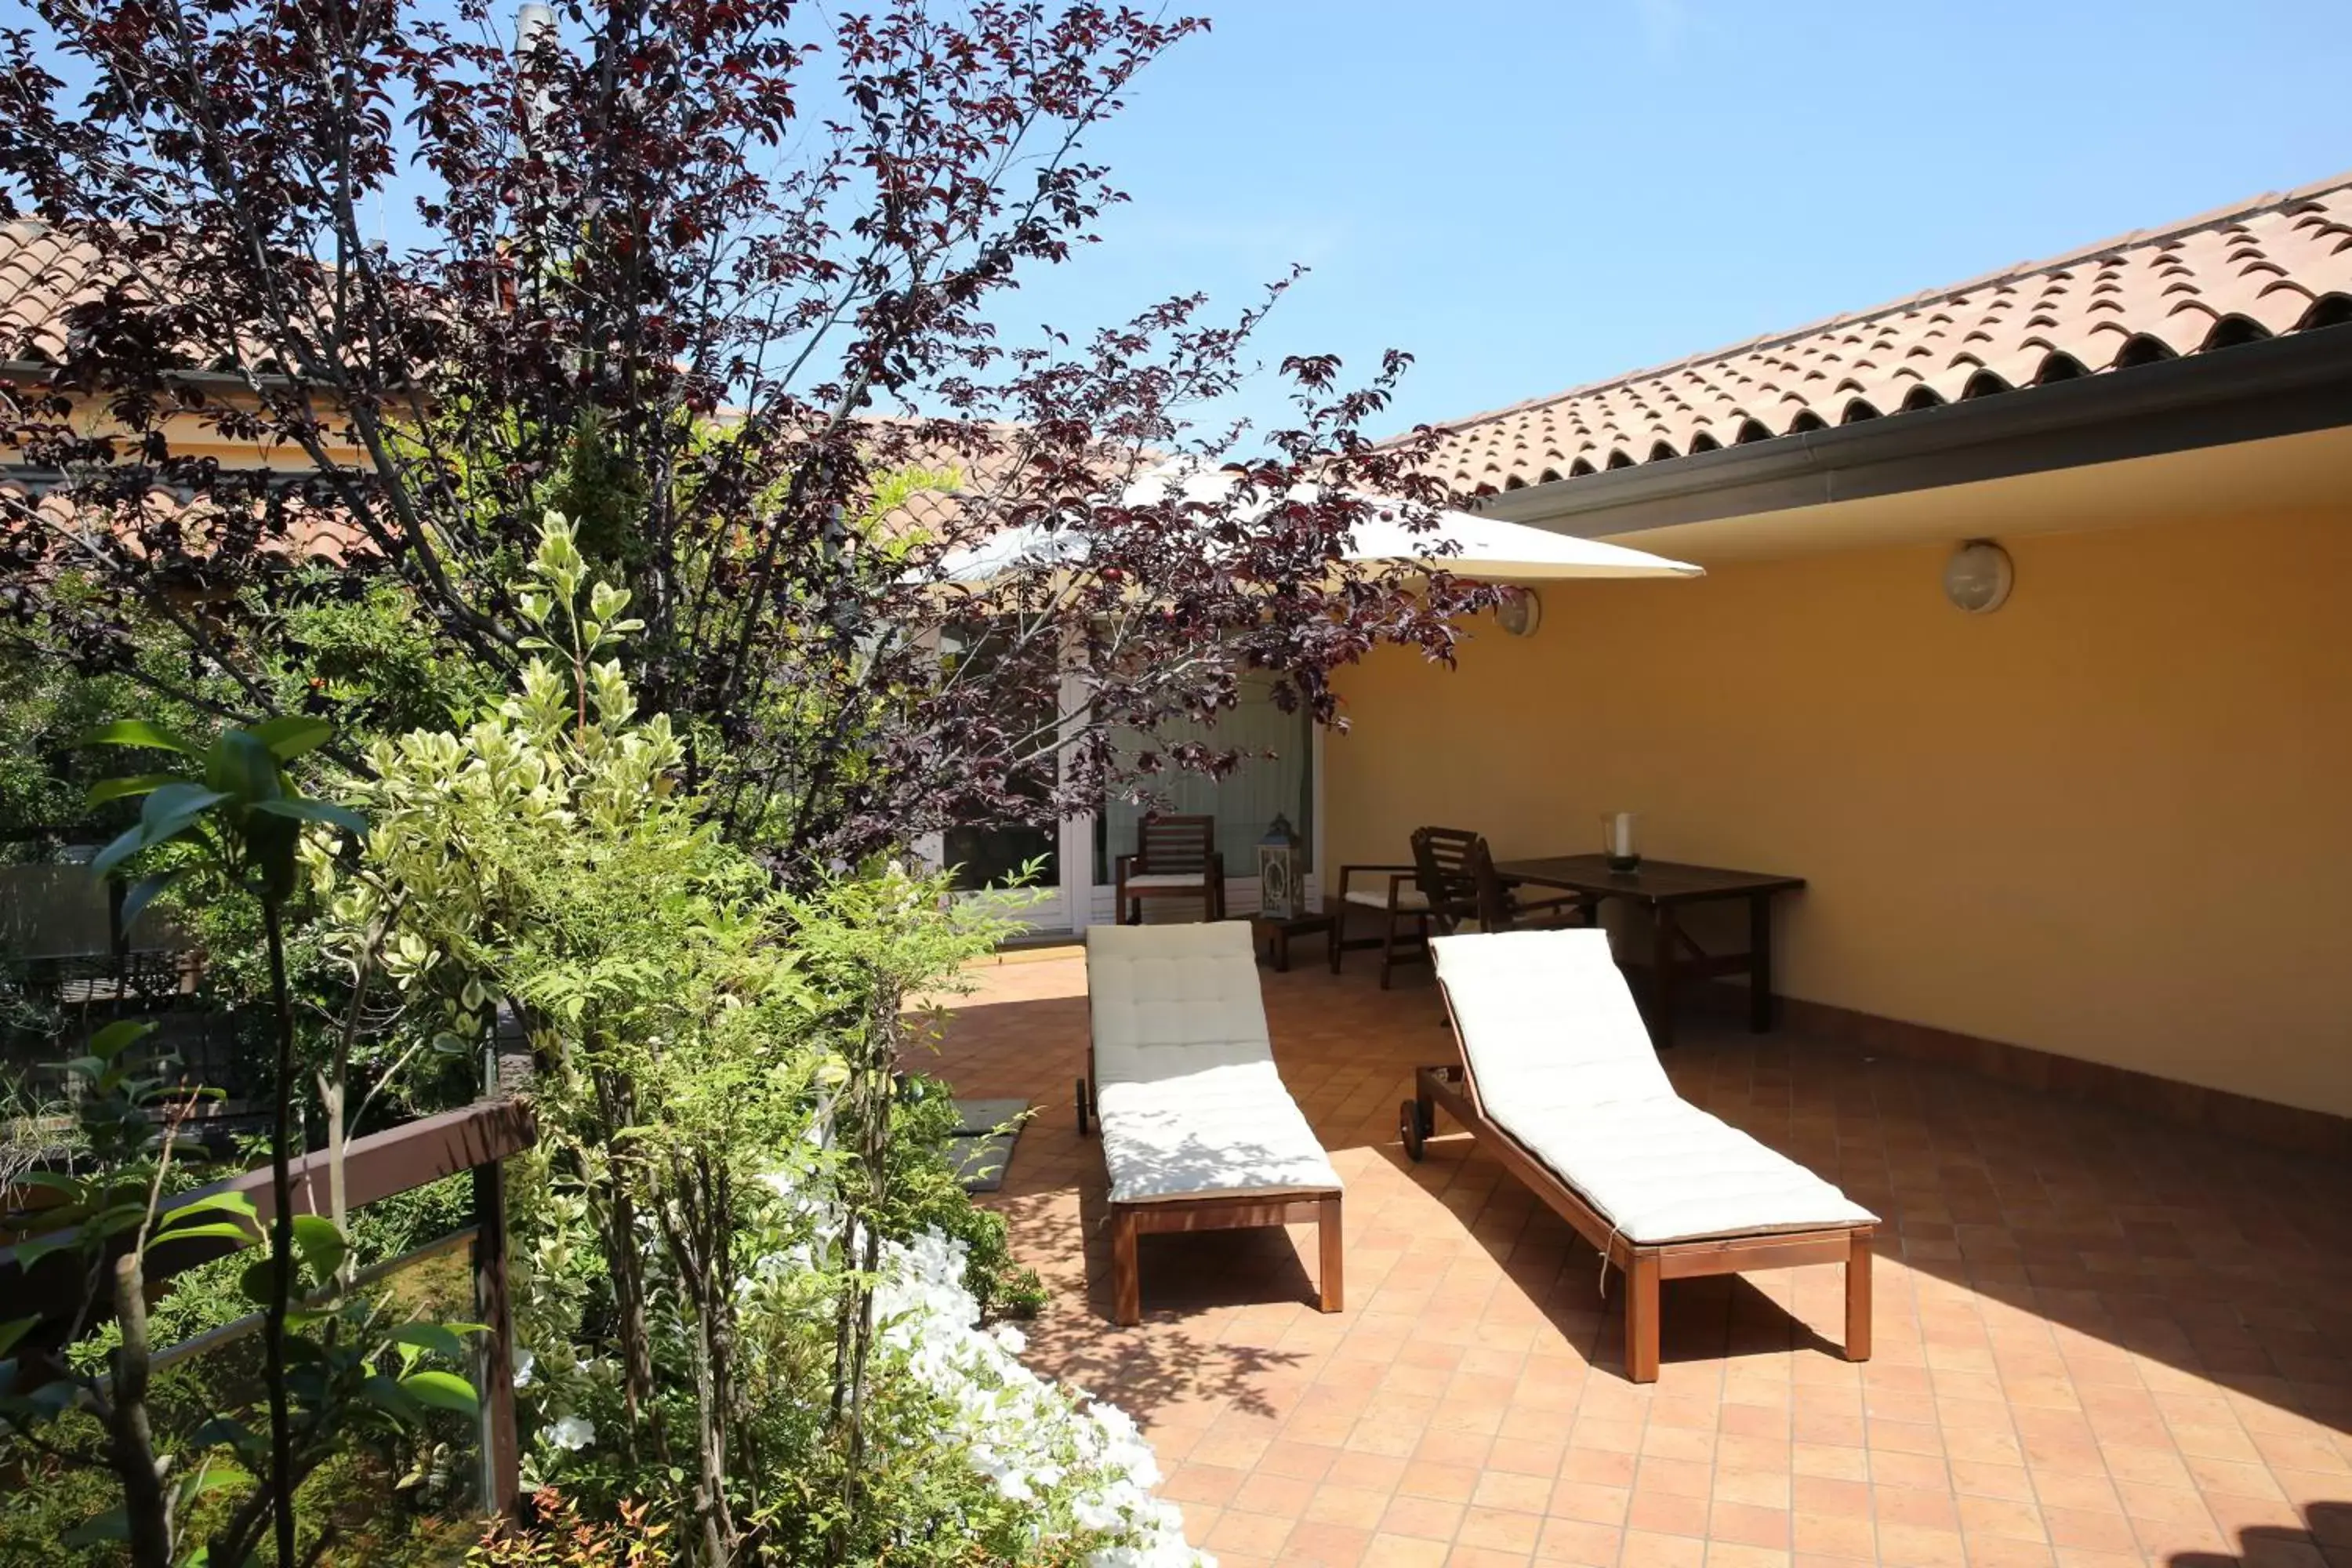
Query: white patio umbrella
<point>1488,549</point>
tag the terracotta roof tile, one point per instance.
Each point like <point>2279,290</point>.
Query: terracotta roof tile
<point>2276,264</point>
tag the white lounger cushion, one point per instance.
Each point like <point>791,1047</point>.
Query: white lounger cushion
<point>1167,878</point>
<point>1564,1065</point>
<point>1231,1129</point>
<point>1184,1078</point>
<point>1407,898</point>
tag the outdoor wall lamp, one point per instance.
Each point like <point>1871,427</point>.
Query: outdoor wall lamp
<point>1979,576</point>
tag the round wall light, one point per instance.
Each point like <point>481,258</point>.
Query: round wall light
<point>1520,612</point>
<point>1979,576</point>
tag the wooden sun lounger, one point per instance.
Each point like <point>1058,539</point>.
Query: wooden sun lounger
<point>1570,990</point>
<point>1199,1132</point>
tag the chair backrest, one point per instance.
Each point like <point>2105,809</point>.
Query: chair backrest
<point>1495,910</point>
<point>1444,861</point>
<point>1165,1001</point>
<point>1547,1021</point>
<point>1168,845</point>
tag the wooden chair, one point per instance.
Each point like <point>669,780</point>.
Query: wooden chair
<point>1404,914</point>
<point>1175,857</point>
<point>1457,875</point>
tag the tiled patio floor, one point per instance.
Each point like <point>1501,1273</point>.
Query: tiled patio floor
<point>2101,1341</point>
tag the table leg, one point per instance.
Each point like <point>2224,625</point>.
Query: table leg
<point>1281,950</point>
<point>1662,978</point>
<point>1759,962</point>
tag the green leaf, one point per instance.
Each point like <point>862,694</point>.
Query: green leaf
<point>441,1339</point>
<point>130,784</point>
<point>14,1329</point>
<point>111,1525</point>
<point>132,841</point>
<point>28,1253</point>
<point>242,766</point>
<point>225,1431</point>
<point>224,1230</point>
<point>169,810</point>
<point>304,808</point>
<point>145,891</point>
<point>236,1204</point>
<point>210,1478</point>
<point>292,736</point>
<point>118,1036</point>
<point>257,1283</point>
<point>389,1398</point>
<point>322,1245</point>
<point>442,1391</point>
<point>138,732</point>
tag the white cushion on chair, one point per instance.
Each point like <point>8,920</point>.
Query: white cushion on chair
<point>1191,879</point>
<point>1563,1062</point>
<point>1226,1128</point>
<point>1186,1082</point>
<point>1407,898</point>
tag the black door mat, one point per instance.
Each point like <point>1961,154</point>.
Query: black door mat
<point>982,1147</point>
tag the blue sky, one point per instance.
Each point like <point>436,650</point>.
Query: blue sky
<point>1531,194</point>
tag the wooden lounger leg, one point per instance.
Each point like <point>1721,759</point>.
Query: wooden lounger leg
<point>1126,1284</point>
<point>1328,1232</point>
<point>1857,1298</point>
<point>1641,1317</point>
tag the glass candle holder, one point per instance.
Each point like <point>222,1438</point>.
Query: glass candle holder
<point>1618,845</point>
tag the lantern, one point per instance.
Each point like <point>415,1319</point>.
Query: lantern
<point>1278,892</point>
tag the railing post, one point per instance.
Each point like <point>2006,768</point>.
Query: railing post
<point>502,1446</point>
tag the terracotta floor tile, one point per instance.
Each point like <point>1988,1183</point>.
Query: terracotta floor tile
<point>1579,1543</point>
<point>1238,1531</point>
<point>2000,1517</point>
<point>1667,1513</point>
<point>1835,1535</point>
<point>1674,1476</point>
<point>1431,1517</point>
<point>1589,1504</point>
<point>2102,1340</point>
<point>1740,1554</point>
<point>1314,1544</point>
<point>1429,1478</point>
<point>1654,1551</point>
<point>1500,1528</point>
<point>1405,1552</point>
<point>1467,1556</point>
<point>1265,1492</point>
<point>1748,1525</point>
<point>1331,1504</point>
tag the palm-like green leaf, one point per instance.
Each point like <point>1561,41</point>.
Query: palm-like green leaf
<point>131,784</point>
<point>139,733</point>
<point>306,808</point>
<point>292,736</point>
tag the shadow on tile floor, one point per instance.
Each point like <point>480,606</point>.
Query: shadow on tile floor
<point>2324,1540</point>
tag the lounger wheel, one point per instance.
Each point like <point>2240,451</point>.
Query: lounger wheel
<point>1085,1108</point>
<point>1414,1125</point>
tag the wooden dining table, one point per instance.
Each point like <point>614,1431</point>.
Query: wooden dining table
<point>1665,887</point>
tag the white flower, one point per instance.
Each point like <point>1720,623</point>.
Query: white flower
<point>572,1433</point>
<point>523,1362</point>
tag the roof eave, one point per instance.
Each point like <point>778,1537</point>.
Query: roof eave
<point>2281,386</point>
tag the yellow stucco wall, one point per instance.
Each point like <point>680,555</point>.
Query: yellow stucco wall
<point>2113,820</point>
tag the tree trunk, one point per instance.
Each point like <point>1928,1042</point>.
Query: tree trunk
<point>146,1500</point>
<point>281,1246</point>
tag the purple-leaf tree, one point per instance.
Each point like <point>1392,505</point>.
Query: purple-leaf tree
<point>724,285</point>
